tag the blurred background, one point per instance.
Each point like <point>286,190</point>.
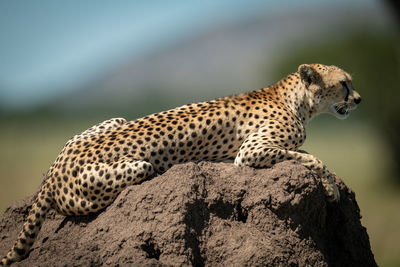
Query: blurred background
<point>65,66</point>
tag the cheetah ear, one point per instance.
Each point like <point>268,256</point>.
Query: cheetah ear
<point>307,74</point>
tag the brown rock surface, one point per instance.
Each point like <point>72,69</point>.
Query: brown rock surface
<point>209,214</point>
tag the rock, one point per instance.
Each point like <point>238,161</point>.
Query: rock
<point>212,214</point>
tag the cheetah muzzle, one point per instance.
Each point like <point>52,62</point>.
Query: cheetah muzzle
<point>256,129</point>
<point>350,102</point>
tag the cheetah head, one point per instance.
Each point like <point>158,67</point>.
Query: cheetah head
<point>330,88</point>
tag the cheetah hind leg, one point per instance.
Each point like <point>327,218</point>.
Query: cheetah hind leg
<point>97,185</point>
<point>100,183</point>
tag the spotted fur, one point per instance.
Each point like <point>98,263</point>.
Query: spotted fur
<point>257,129</point>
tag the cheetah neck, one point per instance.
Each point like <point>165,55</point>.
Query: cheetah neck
<point>292,92</point>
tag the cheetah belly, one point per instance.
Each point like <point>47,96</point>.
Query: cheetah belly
<point>213,143</point>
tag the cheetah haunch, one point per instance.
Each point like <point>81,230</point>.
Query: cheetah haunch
<point>255,129</point>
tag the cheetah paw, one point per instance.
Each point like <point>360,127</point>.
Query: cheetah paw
<point>332,192</point>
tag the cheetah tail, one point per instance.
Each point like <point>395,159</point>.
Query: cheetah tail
<point>31,228</point>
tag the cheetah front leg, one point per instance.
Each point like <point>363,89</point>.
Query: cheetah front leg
<point>262,150</point>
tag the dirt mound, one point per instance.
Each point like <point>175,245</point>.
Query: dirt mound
<point>206,214</point>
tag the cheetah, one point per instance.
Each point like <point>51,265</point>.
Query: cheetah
<point>256,129</point>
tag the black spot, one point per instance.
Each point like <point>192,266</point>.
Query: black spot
<point>19,251</point>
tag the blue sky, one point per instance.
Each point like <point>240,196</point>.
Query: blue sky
<point>61,44</point>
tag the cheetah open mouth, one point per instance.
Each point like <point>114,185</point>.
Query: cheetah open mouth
<point>340,110</point>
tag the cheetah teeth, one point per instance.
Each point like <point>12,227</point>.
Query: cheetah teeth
<point>341,110</point>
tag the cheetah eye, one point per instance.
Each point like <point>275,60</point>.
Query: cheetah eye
<point>344,84</point>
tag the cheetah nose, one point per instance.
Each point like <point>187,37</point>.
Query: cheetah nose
<point>357,100</point>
